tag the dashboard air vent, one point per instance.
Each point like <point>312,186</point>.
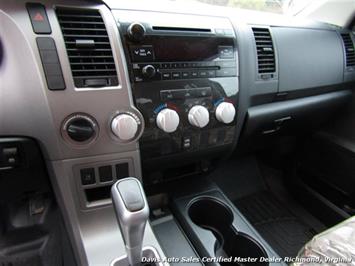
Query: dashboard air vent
<point>88,47</point>
<point>349,49</point>
<point>265,50</point>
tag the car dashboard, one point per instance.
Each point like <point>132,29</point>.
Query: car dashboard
<point>110,91</point>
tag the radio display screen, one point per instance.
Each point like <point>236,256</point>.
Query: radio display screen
<point>168,48</point>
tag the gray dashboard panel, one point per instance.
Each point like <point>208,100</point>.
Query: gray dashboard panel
<point>308,58</point>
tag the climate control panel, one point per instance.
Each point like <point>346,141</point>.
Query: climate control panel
<point>185,116</point>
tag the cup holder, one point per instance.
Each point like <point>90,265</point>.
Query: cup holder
<point>215,216</point>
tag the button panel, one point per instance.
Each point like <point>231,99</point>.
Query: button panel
<point>182,94</point>
<point>100,175</point>
<point>50,62</point>
<point>186,70</point>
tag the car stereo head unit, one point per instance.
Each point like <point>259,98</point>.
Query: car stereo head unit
<point>169,53</point>
<point>184,81</point>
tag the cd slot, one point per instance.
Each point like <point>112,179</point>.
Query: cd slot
<point>163,28</point>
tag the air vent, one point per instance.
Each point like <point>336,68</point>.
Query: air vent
<point>88,47</point>
<point>265,50</point>
<point>349,49</point>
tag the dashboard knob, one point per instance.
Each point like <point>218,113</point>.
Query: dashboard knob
<point>124,126</point>
<point>168,120</point>
<point>81,129</point>
<point>148,71</point>
<point>225,112</point>
<point>199,116</point>
<point>136,32</point>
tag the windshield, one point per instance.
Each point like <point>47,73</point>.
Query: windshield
<point>275,6</point>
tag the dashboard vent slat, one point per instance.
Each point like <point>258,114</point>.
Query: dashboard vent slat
<point>88,46</point>
<point>265,50</point>
<point>349,49</point>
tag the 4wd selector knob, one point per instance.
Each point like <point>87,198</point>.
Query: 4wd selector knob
<point>199,116</point>
<point>79,129</point>
<point>124,126</point>
<point>225,112</point>
<point>136,32</point>
<point>168,120</point>
<point>148,71</point>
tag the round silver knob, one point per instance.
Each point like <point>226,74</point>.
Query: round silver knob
<point>168,120</point>
<point>124,126</point>
<point>199,116</point>
<point>225,112</point>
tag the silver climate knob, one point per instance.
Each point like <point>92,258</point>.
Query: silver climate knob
<point>199,116</point>
<point>225,112</point>
<point>124,126</point>
<point>168,120</point>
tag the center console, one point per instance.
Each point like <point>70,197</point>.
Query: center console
<point>184,80</point>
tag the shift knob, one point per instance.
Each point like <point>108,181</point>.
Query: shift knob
<point>132,212</point>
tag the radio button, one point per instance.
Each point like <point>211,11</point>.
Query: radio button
<point>185,74</point>
<point>226,72</point>
<point>202,73</point>
<point>166,75</point>
<point>176,75</point>
<point>142,53</point>
<point>211,73</point>
<point>165,65</point>
<point>194,74</point>
<point>226,52</point>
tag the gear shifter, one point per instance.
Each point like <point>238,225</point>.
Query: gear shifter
<point>132,212</point>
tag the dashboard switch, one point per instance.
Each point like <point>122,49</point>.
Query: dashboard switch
<point>50,62</point>
<point>105,173</point>
<point>122,170</point>
<point>87,176</point>
<point>39,19</point>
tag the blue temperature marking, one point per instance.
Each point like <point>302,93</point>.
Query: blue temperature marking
<point>160,107</point>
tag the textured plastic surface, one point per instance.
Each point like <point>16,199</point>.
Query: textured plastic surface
<point>280,228</point>
<point>332,247</point>
<point>308,58</point>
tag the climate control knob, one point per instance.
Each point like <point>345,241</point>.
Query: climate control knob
<point>168,120</point>
<point>225,112</point>
<point>124,127</point>
<point>199,116</point>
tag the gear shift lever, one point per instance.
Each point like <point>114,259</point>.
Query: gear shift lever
<point>132,212</point>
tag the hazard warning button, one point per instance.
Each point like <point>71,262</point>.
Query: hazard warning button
<point>39,19</point>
